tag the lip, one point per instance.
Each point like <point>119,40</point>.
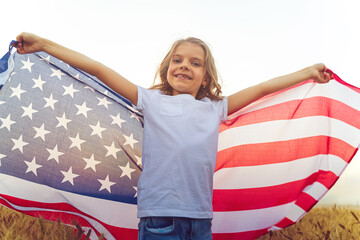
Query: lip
<point>182,76</point>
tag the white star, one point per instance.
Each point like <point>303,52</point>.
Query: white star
<point>1,157</point>
<point>130,140</point>
<point>32,166</point>
<point>54,154</point>
<point>27,64</point>
<point>58,73</point>
<point>136,192</point>
<point>106,184</point>
<point>104,102</point>
<point>6,122</point>
<point>69,176</point>
<point>28,111</point>
<point>126,171</point>
<point>77,76</point>
<point>19,144</point>
<point>82,109</point>
<point>17,92</point>
<point>70,90</point>
<point>40,132</point>
<point>63,121</point>
<point>112,150</point>
<point>138,160</point>
<point>50,101</point>
<point>46,59</point>
<point>117,120</point>
<point>38,83</point>
<point>76,142</point>
<point>91,162</point>
<point>97,129</point>
<point>134,115</point>
<point>1,102</point>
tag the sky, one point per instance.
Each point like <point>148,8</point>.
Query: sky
<point>251,40</point>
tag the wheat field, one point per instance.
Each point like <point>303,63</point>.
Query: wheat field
<point>335,223</point>
<point>328,223</point>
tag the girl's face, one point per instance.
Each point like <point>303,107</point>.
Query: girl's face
<point>186,73</point>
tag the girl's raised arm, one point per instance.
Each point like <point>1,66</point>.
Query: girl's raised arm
<point>244,97</point>
<point>29,43</point>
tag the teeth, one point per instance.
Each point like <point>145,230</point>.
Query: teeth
<point>183,76</point>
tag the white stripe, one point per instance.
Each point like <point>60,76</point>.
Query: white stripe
<point>333,90</point>
<point>277,173</point>
<point>249,220</point>
<point>274,228</point>
<point>104,210</point>
<point>295,213</point>
<point>283,130</point>
<point>316,190</point>
<point>94,223</point>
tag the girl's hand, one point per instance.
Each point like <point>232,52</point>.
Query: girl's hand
<point>28,43</point>
<point>319,73</point>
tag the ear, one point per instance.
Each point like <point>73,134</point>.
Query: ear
<point>203,84</point>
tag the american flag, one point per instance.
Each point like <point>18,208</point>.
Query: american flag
<point>70,148</point>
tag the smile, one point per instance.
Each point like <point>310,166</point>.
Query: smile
<point>184,76</point>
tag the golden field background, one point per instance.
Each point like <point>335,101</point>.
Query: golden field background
<point>335,223</point>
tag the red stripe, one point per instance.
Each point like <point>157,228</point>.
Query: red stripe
<point>240,235</point>
<point>328,179</point>
<point>265,197</point>
<point>306,202</point>
<point>337,78</point>
<point>55,206</point>
<point>315,106</point>
<point>55,213</point>
<point>283,151</point>
<point>51,206</point>
<point>284,223</point>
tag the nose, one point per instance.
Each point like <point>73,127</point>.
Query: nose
<point>184,65</point>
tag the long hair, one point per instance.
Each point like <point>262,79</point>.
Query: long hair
<point>212,90</point>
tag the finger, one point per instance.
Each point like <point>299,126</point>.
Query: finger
<point>17,44</point>
<point>20,38</point>
<point>328,76</point>
<point>324,68</point>
<point>320,67</point>
<point>322,77</point>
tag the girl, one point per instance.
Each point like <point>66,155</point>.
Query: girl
<point>182,114</point>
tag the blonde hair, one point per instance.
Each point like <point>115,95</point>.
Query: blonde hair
<point>212,89</point>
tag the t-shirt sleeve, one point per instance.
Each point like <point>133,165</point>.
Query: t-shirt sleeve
<point>144,96</point>
<point>222,108</point>
<point>140,102</point>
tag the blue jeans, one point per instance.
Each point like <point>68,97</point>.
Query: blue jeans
<point>174,228</point>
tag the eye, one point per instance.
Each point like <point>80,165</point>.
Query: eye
<point>176,60</point>
<point>196,64</point>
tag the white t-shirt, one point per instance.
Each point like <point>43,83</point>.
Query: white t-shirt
<point>179,154</point>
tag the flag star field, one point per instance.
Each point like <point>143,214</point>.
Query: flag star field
<point>60,132</point>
